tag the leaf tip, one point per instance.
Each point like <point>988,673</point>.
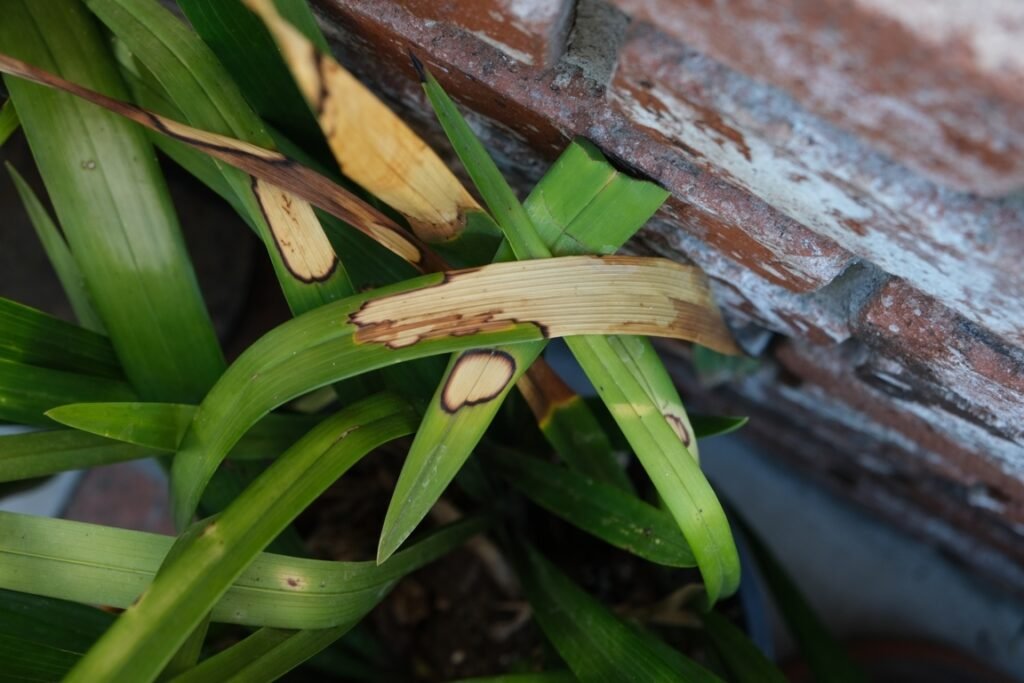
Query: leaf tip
<point>421,70</point>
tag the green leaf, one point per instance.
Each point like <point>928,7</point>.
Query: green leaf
<point>28,391</point>
<point>614,516</point>
<point>825,657</point>
<point>37,454</point>
<point>426,316</point>
<point>544,677</point>
<point>42,638</point>
<point>32,337</point>
<point>95,564</point>
<point>674,472</point>
<point>707,426</point>
<point>195,82</point>
<point>501,201</point>
<point>263,656</point>
<point>113,204</point>
<point>742,658</point>
<point>189,585</point>
<point>649,410</point>
<point>449,432</point>
<point>248,52</point>
<point>572,428</point>
<point>474,385</point>
<point>161,426</point>
<point>57,251</point>
<point>598,646</point>
<point>8,121</point>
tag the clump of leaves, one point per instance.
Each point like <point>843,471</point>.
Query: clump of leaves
<point>386,269</point>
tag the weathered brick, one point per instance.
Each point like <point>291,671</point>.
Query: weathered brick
<point>960,249</point>
<point>752,173</point>
<point>884,395</point>
<point>530,31</point>
<point>544,107</point>
<point>812,408</point>
<point>937,84</point>
<point>903,299</point>
<point>975,375</point>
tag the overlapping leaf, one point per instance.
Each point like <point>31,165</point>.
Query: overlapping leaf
<point>112,203</point>
<point>500,303</point>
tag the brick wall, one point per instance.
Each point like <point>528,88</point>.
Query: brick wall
<point>850,172</point>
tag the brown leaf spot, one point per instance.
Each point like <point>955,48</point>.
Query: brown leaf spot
<point>478,377</point>
<point>679,427</point>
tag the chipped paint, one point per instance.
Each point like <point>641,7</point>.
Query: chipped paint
<point>841,185</point>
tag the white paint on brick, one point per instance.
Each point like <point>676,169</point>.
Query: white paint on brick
<point>825,180</point>
<point>992,29</point>
<point>515,54</point>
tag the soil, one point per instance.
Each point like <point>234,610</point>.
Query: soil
<point>453,619</point>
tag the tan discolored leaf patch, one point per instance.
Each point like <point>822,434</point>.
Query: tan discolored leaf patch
<point>374,147</point>
<point>477,377</point>
<point>563,296</point>
<point>267,165</point>
<point>300,240</point>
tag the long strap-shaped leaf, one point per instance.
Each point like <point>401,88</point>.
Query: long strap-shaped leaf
<point>373,146</point>
<point>95,564</point>
<point>273,170</point>
<point>597,645</point>
<point>59,255</point>
<point>449,433</point>
<point>211,558</point>
<point>306,266</point>
<point>742,658</point>
<point>28,391</point>
<point>264,656</point>
<point>388,159</point>
<point>8,121</point>
<point>105,184</point>
<point>611,514</point>
<point>162,426</point>
<point>627,375</point>
<point>247,51</point>
<point>42,638</point>
<point>432,314</point>
<point>37,454</point>
<point>30,336</point>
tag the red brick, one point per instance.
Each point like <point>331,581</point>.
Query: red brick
<point>934,83</point>
<point>960,249</point>
<point>981,375</point>
<point>532,32</point>
<point>764,181</point>
<point>545,107</point>
<point>813,409</point>
<point>886,395</point>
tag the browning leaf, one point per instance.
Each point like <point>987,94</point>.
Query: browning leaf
<point>268,165</point>
<point>374,147</point>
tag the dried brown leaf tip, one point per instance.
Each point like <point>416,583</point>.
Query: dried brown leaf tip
<point>562,296</point>
<point>301,242</point>
<point>265,164</point>
<point>477,377</point>
<point>373,146</point>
